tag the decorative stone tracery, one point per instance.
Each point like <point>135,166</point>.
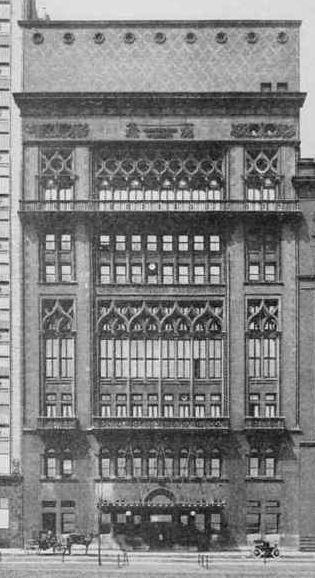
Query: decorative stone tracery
<point>151,318</point>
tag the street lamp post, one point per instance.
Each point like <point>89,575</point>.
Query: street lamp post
<point>99,557</point>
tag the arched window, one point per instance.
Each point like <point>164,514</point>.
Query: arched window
<point>105,463</point>
<point>121,464</point>
<point>184,463</point>
<point>168,463</point>
<point>51,464</point>
<point>199,463</point>
<point>58,339</point>
<point>137,464</point>
<point>215,464</point>
<point>152,464</point>
<point>254,463</point>
<point>66,463</point>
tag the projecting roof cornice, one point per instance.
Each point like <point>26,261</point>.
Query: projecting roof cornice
<point>41,104</point>
<point>161,23</point>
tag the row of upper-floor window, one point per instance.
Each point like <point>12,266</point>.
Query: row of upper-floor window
<point>157,464</point>
<point>165,259</point>
<point>147,405</point>
<point>161,358</point>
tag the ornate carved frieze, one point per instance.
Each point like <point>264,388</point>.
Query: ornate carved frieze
<point>54,130</point>
<point>263,130</point>
<point>155,131</point>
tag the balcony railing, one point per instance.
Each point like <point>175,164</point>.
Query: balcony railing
<point>57,423</point>
<point>94,206</point>
<point>264,423</point>
<point>163,423</point>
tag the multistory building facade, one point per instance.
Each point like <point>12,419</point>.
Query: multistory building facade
<point>162,241</point>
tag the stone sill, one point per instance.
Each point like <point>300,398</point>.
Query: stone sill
<point>161,481</point>
<point>264,480</point>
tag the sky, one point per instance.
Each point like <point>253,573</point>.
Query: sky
<point>212,10</point>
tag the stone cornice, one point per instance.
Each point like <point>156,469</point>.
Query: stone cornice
<point>156,104</point>
<point>159,23</point>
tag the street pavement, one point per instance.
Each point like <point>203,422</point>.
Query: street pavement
<point>156,567</point>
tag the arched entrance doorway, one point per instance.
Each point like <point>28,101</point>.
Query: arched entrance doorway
<point>161,518</point>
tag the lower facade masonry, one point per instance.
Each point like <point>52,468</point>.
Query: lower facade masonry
<point>226,509</point>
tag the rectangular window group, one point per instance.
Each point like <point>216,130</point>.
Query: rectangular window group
<point>168,358</point>
<point>58,258</point>
<point>159,259</point>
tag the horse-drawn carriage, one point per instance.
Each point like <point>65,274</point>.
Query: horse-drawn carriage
<point>63,544</point>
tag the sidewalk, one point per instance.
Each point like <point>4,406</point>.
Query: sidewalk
<point>79,553</point>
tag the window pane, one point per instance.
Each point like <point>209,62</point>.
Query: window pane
<point>254,358</point>
<point>215,274</point>
<point>105,275</point>
<point>136,274</point>
<point>183,274</point>
<point>65,242</point>
<point>151,243</point>
<point>66,273</point>
<point>214,243</point>
<point>120,243</point>
<point>183,243</point>
<point>50,243</point>
<point>50,274</point>
<point>199,274</point>
<point>167,241</point>
<point>121,274</point>
<point>136,242</point>
<point>67,357</point>
<point>168,275</point>
<point>198,243</point>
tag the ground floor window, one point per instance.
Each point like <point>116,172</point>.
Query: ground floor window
<point>4,513</point>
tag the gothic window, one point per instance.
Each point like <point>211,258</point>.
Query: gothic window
<point>263,338</point>
<point>57,177</point>
<point>57,258</point>
<point>162,174</point>
<point>262,176</point>
<point>58,339</point>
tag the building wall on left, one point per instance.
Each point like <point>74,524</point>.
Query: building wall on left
<point>10,403</point>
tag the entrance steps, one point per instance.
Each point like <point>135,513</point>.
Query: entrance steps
<point>307,544</point>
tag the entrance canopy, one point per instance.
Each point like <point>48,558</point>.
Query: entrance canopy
<point>121,506</point>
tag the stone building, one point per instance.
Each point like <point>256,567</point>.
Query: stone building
<point>168,277</point>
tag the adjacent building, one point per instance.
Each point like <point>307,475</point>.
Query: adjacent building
<point>168,283</point>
